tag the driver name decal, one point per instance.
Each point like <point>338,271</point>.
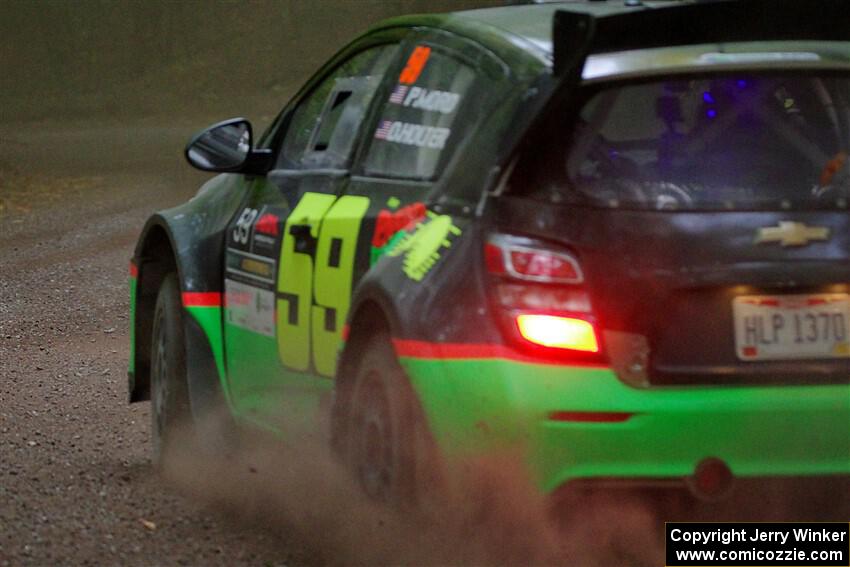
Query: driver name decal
<point>433,137</point>
<point>431,100</point>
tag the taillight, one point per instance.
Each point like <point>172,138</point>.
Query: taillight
<point>538,290</point>
<point>558,332</point>
<point>504,255</point>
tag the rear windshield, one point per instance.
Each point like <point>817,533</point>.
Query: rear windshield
<point>733,142</point>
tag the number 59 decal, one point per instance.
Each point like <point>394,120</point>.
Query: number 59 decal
<point>324,230</point>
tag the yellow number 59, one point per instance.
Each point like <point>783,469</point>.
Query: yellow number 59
<point>313,299</point>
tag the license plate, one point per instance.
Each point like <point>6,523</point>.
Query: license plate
<point>776,327</point>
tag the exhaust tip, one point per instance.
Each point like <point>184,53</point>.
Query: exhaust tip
<point>712,480</point>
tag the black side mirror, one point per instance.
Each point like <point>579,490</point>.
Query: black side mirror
<point>227,147</point>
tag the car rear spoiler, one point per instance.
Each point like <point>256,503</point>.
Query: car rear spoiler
<point>577,35</point>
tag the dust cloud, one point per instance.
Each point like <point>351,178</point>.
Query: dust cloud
<point>488,514</point>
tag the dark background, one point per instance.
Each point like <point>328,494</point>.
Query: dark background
<point>127,59</point>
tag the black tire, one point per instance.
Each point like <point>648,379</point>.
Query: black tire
<point>170,408</point>
<point>386,441</point>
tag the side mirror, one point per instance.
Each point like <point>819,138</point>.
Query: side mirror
<point>227,147</point>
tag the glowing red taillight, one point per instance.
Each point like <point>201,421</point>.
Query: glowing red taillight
<point>558,332</point>
<point>539,293</point>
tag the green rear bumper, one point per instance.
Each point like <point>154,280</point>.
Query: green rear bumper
<point>481,405</point>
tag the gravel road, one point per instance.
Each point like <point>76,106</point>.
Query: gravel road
<point>76,484</point>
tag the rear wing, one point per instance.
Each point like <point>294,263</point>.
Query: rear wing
<point>577,35</point>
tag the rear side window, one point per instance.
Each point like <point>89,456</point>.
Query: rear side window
<point>325,124</point>
<point>734,142</point>
<point>422,118</point>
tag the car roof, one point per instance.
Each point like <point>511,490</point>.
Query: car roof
<point>524,28</point>
<point>525,31</point>
<point>533,22</point>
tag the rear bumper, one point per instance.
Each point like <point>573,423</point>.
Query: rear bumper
<point>653,434</point>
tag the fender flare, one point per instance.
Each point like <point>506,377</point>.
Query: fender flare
<point>188,239</point>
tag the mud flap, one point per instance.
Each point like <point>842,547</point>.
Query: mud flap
<point>205,389</point>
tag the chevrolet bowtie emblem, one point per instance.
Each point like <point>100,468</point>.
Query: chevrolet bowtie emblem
<point>790,233</point>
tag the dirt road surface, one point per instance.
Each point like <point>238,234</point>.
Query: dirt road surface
<point>76,485</point>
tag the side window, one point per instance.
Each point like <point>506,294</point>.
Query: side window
<point>324,126</point>
<point>422,119</point>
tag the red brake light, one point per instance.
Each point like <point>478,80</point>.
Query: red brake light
<point>540,300</point>
<point>494,259</point>
<point>558,332</point>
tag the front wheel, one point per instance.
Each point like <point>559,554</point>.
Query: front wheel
<point>169,389</point>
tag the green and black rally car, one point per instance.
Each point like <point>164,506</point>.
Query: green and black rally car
<point>613,234</point>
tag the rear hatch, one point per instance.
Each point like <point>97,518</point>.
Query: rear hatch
<point>710,217</point>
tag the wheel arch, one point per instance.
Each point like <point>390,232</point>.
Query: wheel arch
<point>187,239</point>
<point>153,259</point>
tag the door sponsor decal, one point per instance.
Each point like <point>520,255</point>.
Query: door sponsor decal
<point>315,275</point>
<point>390,225</point>
<point>256,231</point>
<point>422,247</point>
<point>268,225</point>
<point>255,268</point>
<point>243,225</point>
<point>249,307</point>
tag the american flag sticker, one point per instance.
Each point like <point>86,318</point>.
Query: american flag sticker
<point>383,129</point>
<point>398,94</point>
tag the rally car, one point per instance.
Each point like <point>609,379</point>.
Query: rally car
<point>614,235</point>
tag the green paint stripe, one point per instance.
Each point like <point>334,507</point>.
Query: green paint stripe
<point>209,318</point>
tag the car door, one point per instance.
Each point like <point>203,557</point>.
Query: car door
<point>291,246</point>
<point>416,158</point>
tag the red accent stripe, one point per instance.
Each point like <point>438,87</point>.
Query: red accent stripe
<point>134,270</point>
<point>590,416</point>
<point>467,351</point>
<point>201,299</point>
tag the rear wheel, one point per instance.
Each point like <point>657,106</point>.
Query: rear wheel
<point>387,444</point>
<point>169,389</point>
